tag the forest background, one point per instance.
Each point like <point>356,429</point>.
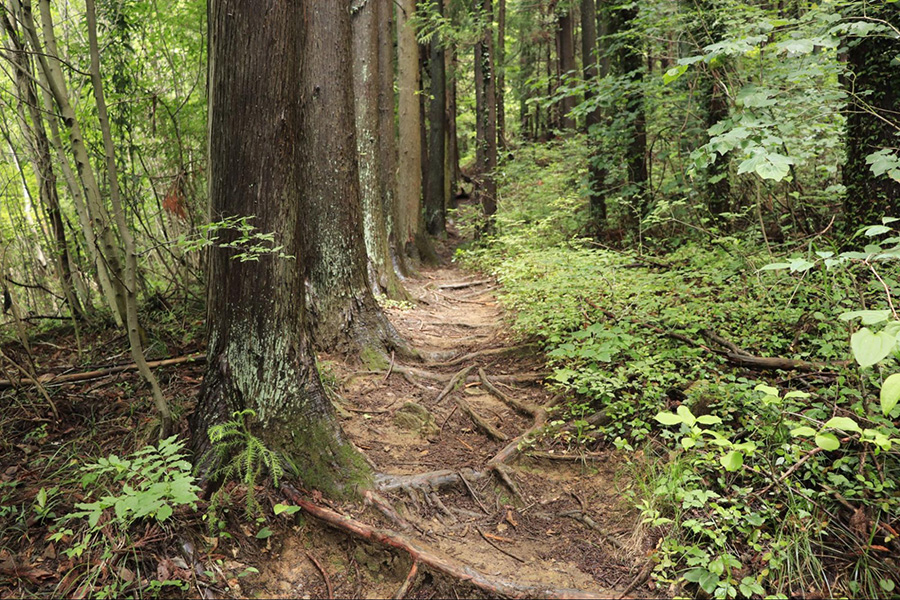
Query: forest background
<point>690,205</point>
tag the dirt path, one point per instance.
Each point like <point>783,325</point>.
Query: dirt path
<point>566,525</point>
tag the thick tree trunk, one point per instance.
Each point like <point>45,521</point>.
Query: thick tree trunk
<point>260,351</point>
<point>435,194</point>
<point>371,151</point>
<point>486,115</point>
<point>344,315</point>
<point>387,134</point>
<point>565,32</point>
<point>872,120</point>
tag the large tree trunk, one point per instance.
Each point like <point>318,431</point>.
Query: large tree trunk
<point>500,69</point>
<point>260,351</point>
<point>344,315</point>
<point>435,196</point>
<point>486,115</point>
<point>565,32</point>
<point>371,151</point>
<point>596,173</point>
<point>872,120</point>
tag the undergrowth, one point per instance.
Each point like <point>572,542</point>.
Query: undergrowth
<point>759,482</point>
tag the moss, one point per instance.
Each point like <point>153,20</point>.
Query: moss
<point>373,358</point>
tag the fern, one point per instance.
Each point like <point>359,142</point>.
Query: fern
<point>243,457</point>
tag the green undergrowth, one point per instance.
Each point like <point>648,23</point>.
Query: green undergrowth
<point>758,481</point>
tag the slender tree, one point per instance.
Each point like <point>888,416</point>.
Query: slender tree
<point>260,343</point>
<point>591,71</point>
<point>565,48</point>
<point>435,194</point>
<point>486,111</point>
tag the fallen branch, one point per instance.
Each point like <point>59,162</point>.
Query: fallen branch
<point>463,285</point>
<point>324,574</point>
<point>481,422</point>
<point>53,379</point>
<point>584,519</point>
<point>425,556</point>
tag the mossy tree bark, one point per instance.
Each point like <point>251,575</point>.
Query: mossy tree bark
<point>873,122</point>
<point>372,151</point>
<point>260,344</point>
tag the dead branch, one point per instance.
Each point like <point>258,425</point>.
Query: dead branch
<point>53,379</point>
<point>584,519</point>
<point>463,285</point>
<point>488,352</point>
<point>421,554</point>
<point>715,338</point>
<point>583,457</point>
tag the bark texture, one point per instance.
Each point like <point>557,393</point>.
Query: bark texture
<point>565,36</point>
<point>344,315</point>
<point>435,196</point>
<point>260,351</point>
<point>486,114</point>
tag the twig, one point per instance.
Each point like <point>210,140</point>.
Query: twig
<point>390,369</point>
<point>642,576</point>
<point>413,570</point>
<point>447,419</point>
<point>472,493</point>
<point>589,522</point>
<point>324,574</point>
<point>789,472</point>
<point>498,548</point>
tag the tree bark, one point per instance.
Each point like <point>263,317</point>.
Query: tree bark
<point>435,196</point>
<point>596,173</point>
<point>872,120</point>
<point>486,115</point>
<point>565,32</point>
<point>260,345</point>
<point>371,151</point>
<point>342,310</point>
<point>631,64</point>
<point>500,69</point>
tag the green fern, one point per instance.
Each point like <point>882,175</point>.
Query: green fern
<point>243,457</point>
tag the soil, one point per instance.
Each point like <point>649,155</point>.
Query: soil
<point>566,525</point>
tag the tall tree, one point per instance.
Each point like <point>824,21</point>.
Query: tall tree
<point>372,152</point>
<point>343,311</point>
<point>565,55</point>
<point>596,174</point>
<point>435,194</point>
<point>500,69</point>
<point>631,65</point>
<point>485,111</point>
<point>260,344</point>
<point>873,122</point>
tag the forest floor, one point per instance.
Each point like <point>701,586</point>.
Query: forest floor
<point>559,523</point>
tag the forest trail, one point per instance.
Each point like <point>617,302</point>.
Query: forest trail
<point>571,526</point>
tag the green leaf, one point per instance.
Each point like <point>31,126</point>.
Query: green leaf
<point>286,508</point>
<point>674,74</point>
<point>733,461</point>
<point>827,441</point>
<point>877,230</point>
<point>687,417</point>
<point>890,393</point>
<point>667,418</point>
<point>688,443</point>
<point>264,533</point>
<point>709,420</point>
<point>871,348</point>
<point>164,512</point>
<point>844,424</point>
<point>766,389</point>
<point>803,431</point>
<point>776,266</point>
<point>869,317</point>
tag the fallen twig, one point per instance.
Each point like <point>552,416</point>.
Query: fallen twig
<point>421,554</point>
<point>324,574</point>
<point>498,548</point>
<point>589,522</point>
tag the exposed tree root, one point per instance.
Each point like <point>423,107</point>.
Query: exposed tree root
<point>454,381</point>
<point>480,422</point>
<point>441,377</point>
<point>423,555</point>
<point>584,519</point>
<point>425,482</point>
<point>463,285</point>
<point>524,408</point>
<point>488,352</point>
<point>413,570</point>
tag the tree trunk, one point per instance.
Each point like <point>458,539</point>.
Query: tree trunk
<point>260,351</point>
<point>500,69</point>
<point>130,272</point>
<point>565,32</point>
<point>387,134</point>
<point>371,151</point>
<point>486,116</point>
<point>596,173</point>
<point>435,196</point>
<point>342,310</point>
<point>632,66</point>
<point>872,121</point>
<point>42,162</point>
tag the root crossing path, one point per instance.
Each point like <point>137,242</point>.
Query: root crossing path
<point>480,501</point>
